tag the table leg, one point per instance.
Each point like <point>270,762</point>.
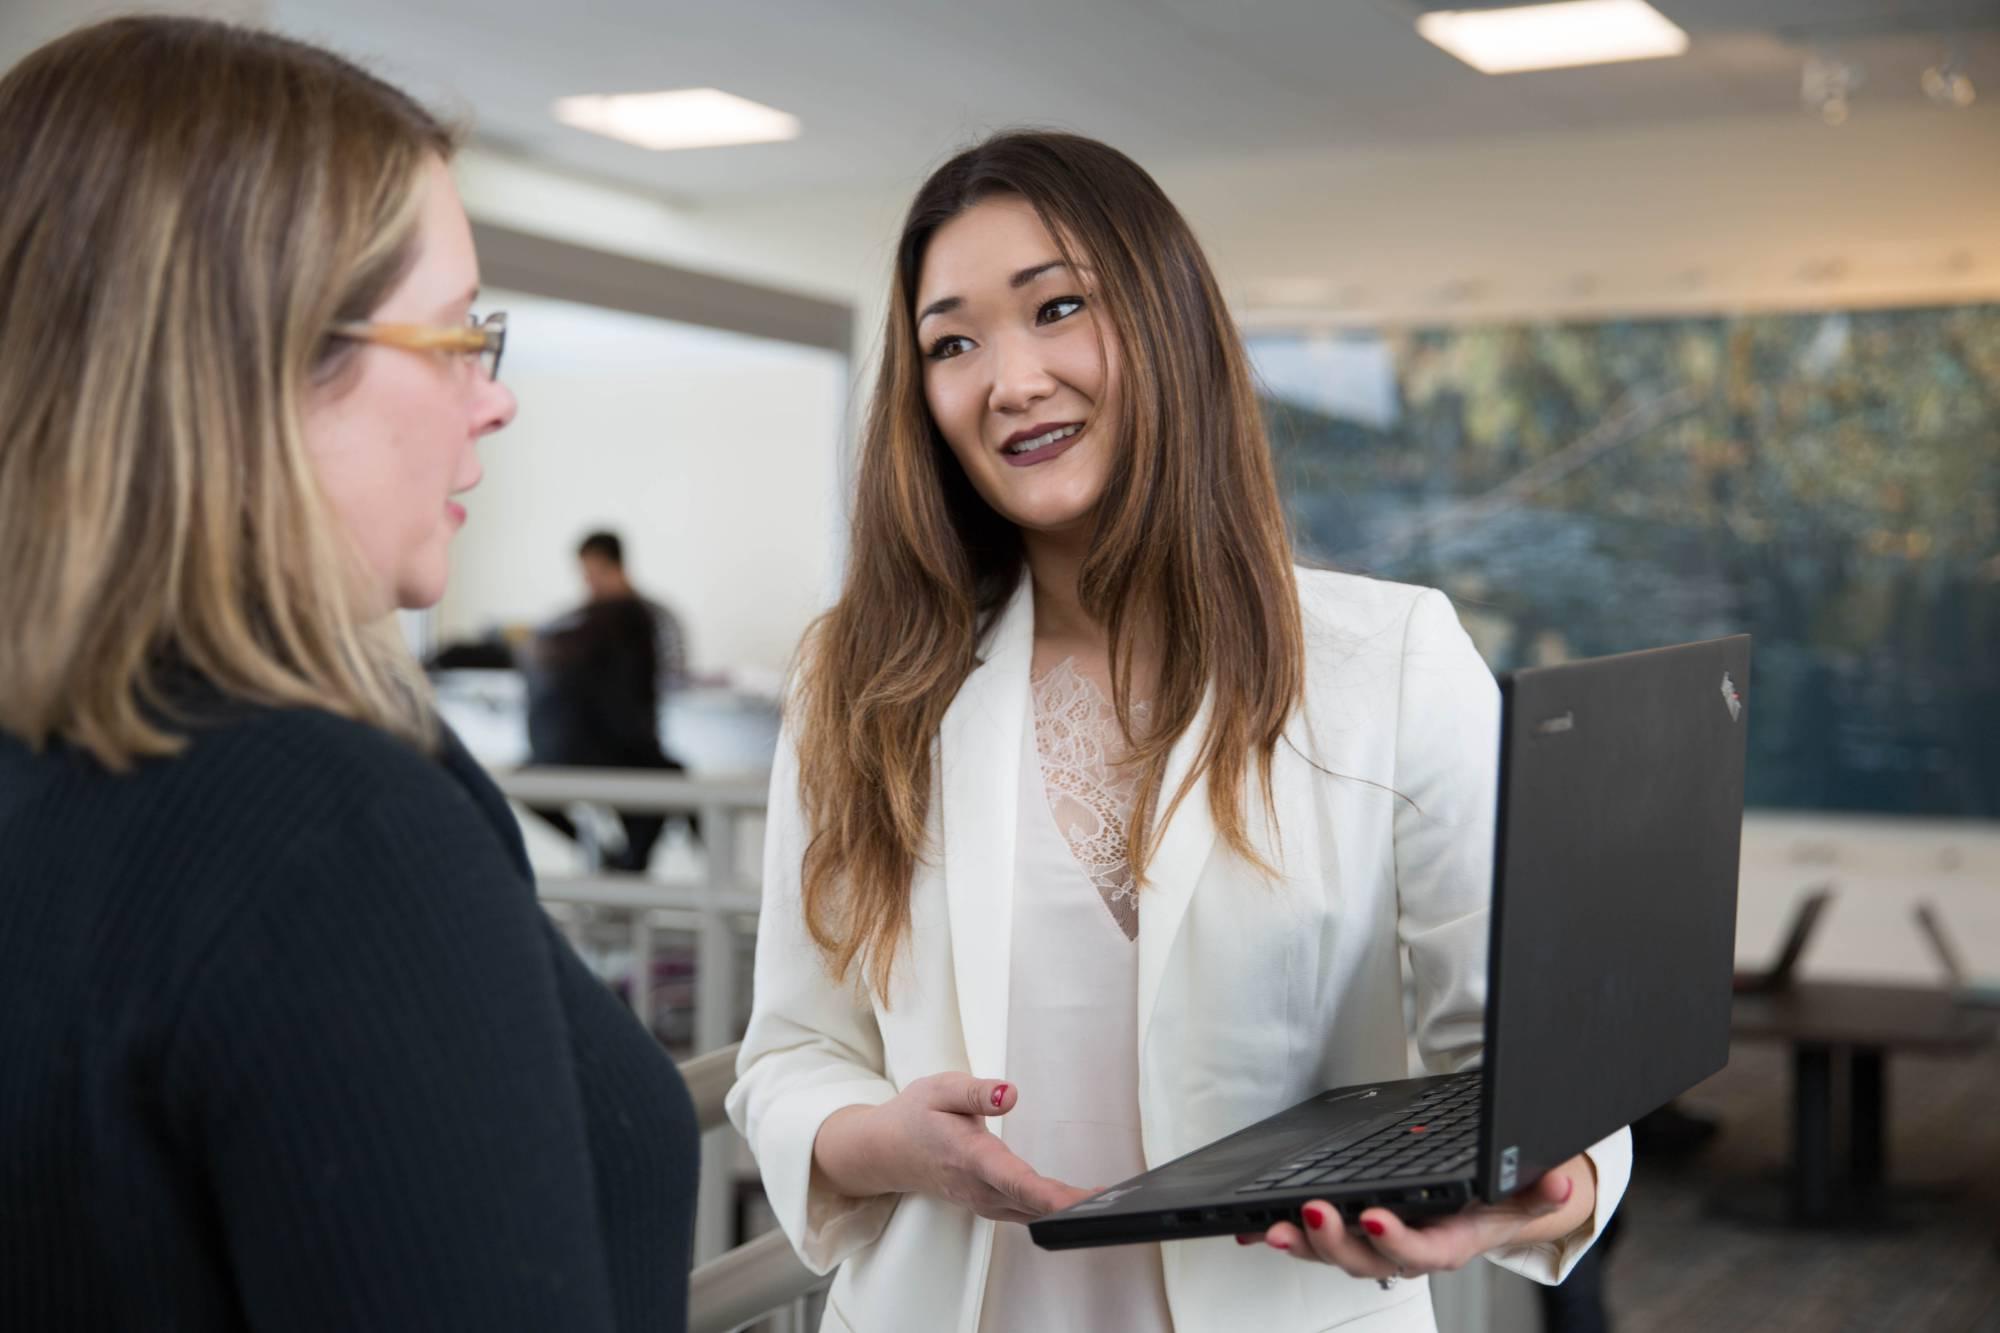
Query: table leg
<point>1812,1133</point>
<point>1868,1128</point>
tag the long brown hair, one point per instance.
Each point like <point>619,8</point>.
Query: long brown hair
<point>185,209</point>
<point>1190,544</point>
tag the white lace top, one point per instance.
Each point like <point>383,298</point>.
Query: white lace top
<point>1072,1018</point>
<point>1077,739</point>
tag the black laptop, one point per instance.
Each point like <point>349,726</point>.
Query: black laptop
<point>1608,977</point>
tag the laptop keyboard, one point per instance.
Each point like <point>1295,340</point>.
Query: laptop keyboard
<point>1437,1134</point>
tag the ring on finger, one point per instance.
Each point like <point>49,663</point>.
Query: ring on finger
<point>1387,1282</point>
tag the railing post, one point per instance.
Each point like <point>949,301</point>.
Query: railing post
<point>715,974</point>
<point>715,1024</point>
<point>642,969</point>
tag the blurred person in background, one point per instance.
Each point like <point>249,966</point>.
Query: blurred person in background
<point>596,679</point>
<point>1092,812</point>
<point>286,1041</point>
<point>601,560</point>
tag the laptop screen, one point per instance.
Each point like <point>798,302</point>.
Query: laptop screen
<point>1614,906</point>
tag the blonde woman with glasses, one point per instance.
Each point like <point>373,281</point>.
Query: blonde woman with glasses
<point>285,1041</point>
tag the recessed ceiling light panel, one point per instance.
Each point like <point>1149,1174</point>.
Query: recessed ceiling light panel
<point>1553,36</point>
<point>684,118</point>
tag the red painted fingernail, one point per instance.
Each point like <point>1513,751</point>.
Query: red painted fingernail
<point>1374,1228</point>
<point>1000,1094</point>
<point>1248,1240</point>
<point>1284,1245</point>
<point>1315,1216</point>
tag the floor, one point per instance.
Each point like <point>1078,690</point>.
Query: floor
<point>1676,1267</point>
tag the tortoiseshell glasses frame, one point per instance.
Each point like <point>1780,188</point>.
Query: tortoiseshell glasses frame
<point>484,338</point>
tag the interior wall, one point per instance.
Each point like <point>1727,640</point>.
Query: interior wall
<point>1880,868</point>
<point>672,435</point>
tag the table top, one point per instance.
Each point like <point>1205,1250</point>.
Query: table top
<point>1857,1014</point>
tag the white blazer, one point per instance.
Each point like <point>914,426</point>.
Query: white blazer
<point>1253,994</point>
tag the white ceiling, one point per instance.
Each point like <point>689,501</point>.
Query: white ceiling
<point>886,87</point>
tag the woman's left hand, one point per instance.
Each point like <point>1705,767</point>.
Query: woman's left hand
<point>1549,1209</point>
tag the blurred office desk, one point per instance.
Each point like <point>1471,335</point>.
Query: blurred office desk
<point>1836,1025</point>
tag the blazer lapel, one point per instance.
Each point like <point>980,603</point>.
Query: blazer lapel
<point>1183,852</point>
<point>979,770</point>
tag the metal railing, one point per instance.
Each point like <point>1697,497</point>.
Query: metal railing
<point>731,1288</point>
<point>759,1277</point>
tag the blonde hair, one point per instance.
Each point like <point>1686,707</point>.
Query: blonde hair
<point>185,209</point>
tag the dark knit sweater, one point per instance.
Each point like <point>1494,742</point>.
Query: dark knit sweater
<point>287,1043</point>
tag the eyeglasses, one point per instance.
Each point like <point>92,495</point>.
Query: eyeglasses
<point>483,338</point>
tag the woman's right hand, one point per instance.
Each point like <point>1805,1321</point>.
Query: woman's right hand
<point>929,1139</point>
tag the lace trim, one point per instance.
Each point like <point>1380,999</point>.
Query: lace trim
<point>1076,736</point>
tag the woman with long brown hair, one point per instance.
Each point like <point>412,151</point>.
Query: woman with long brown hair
<point>285,1039</point>
<point>1098,828</point>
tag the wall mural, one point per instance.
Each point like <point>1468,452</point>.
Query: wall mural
<point>1828,482</point>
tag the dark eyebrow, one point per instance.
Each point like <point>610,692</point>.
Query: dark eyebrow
<point>946,304</point>
<point>1028,275</point>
